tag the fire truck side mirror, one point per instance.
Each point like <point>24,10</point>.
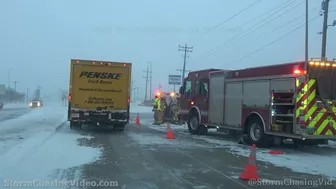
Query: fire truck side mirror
<point>181,91</point>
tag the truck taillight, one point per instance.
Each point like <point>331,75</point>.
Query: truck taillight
<point>192,102</point>
<point>69,97</point>
<point>128,99</point>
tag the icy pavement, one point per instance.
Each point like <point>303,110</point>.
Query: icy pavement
<point>15,105</point>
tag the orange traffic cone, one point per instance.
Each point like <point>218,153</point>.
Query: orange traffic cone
<point>250,171</point>
<point>137,119</point>
<point>170,134</point>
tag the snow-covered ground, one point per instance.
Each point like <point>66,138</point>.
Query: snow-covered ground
<point>45,157</point>
<point>16,130</point>
<point>293,159</point>
<point>31,149</point>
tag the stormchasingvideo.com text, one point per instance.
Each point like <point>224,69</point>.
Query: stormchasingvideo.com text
<point>60,183</point>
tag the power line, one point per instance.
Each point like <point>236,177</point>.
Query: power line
<point>267,12</point>
<point>249,31</point>
<point>224,21</point>
<point>230,18</point>
<point>285,24</point>
<point>271,43</point>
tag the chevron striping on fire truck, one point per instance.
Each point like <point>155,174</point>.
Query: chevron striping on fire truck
<point>265,103</point>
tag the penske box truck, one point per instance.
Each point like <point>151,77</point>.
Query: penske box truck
<point>99,93</point>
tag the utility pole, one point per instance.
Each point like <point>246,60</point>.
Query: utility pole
<point>325,9</point>
<point>150,80</point>
<point>184,49</point>
<point>306,36</point>
<point>146,77</point>
<point>27,95</point>
<point>9,78</point>
<point>15,82</point>
<point>132,89</point>
<point>185,71</point>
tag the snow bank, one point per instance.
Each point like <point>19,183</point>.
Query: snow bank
<point>140,109</point>
<point>183,127</point>
<point>55,152</point>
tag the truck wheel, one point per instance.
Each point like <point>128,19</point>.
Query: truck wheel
<point>75,125</point>
<point>119,127</point>
<point>195,127</point>
<point>256,133</point>
<point>193,124</point>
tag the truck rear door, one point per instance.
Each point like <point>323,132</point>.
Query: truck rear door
<point>100,87</point>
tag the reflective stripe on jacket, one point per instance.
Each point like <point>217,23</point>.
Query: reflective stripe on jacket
<point>156,104</point>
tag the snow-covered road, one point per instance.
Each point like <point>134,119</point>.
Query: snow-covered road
<point>40,148</point>
<point>12,111</point>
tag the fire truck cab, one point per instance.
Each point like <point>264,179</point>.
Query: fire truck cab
<point>292,100</point>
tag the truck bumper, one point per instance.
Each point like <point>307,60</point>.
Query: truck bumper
<point>99,117</point>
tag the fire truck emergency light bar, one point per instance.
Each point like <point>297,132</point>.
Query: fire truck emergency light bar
<point>322,63</point>
<point>162,93</point>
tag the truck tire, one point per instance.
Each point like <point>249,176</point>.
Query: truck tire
<point>256,134</point>
<point>119,127</point>
<point>75,125</point>
<point>195,127</point>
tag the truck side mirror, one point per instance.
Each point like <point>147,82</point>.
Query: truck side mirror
<point>181,91</point>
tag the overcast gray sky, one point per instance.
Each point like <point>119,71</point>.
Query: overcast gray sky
<point>39,37</point>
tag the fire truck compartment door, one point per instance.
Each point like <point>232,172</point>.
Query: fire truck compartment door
<point>233,103</point>
<point>256,93</point>
<point>216,100</point>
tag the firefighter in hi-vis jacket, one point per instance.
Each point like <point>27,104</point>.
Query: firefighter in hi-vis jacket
<point>161,110</point>
<point>176,109</point>
<point>156,108</point>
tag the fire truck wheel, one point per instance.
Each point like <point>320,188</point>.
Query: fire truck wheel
<point>195,127</point>
<point>256,132</point>
<point>193,124</point>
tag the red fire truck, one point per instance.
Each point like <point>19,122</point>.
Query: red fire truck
<point>293,100</point>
